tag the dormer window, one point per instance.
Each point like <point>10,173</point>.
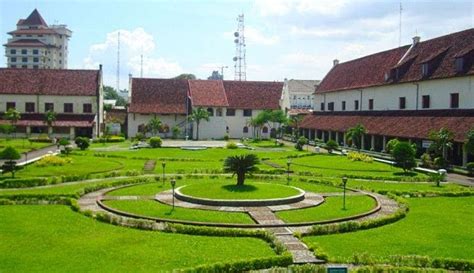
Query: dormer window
<point>459,65</point>
<point>425,69</point>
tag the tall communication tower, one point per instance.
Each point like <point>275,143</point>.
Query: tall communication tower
<point>118,62</point>
<point>240,64</point>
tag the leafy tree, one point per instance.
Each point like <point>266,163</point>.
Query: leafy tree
<point>13,116</point>
<point>185,76</point>
<point>111,94</point>
<point>241,165</point>
<point>155,142</point>
<point>154,125</point>
<point>10,154</point>
<point>295,122</point>
<point>49,119</point>
<point>257,124</point>
<point>175,132</point>
<point>331,145</point>
<point>442,142</point>
<point>215,76</point>
<point>6,129</point>
<point>469,144</point>
<point>82,143</point>
<point>300,143</point>
<point>355,135</point>
<point>65,143</point>
<point>404,155</point>
<point>197,115</point>
<point>391,144</point>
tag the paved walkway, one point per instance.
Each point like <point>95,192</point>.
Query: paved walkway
<point>34,155</point>
<point>461,179</point>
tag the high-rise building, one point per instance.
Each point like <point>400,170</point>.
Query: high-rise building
<point>34,44</point>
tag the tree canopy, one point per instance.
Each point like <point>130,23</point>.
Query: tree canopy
<point>469,144</point>
<point>111,94</point>
<point>355,135</point>
<point>403,154</point>
<point>197,115</point>
<point>240,165</point>
<point>185,76</point>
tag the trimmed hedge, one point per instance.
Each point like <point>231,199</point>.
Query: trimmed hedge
<point>391,269</point>
<point>23,182</point>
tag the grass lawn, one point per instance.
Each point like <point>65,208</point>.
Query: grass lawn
<point>156,209</point>
<point>330,209</point>
<point>404,186</point>
<point>21,144</point>
<point>436,227</point>
<point>338,166</point>
<point>55,239</point>
<point>229,190</point>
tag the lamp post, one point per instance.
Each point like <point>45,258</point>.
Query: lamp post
<point>173,183</point>
<point>344,183</point>
<point>288,163</point>
<point>163,165</point>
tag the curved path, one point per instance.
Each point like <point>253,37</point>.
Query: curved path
<point>263,216</point>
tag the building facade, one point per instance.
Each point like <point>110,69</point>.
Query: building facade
<point>75,96</point>
<point>36,45</point>
<point>402,93</point>
<point>230,104</point>
<point>298,94</point>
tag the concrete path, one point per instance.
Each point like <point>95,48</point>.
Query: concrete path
<point>34,155</point>
<point>461,179</point>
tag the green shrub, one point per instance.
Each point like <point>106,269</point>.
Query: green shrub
<point>356,156</point>
<point>331,145</point>
<point>404,155</point>
<point>391,145</point>
<point>440,162</point>
<point>175,131</point>
<point>300,143</point>
<point>52,160</point>
<point>226,137</point>
<point>470,168</point>
<point>231,145</point>
<point>23,182</point>
<point>39,140</point>
<point>155,142</point>
<point>82,142</point>
<point>426,160</point>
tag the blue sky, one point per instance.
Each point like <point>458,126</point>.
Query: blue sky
<point>285,39</point>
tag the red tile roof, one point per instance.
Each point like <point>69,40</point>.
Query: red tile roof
<point>62,120</point>
<point>402,124</point>
<point>370,70</point>
<point>159,96</point>
<point>27,43</point>
<point>34,31</point>
<point>253,95</point>
<point>61,82</point>
<point>34,19</point>
<point>207,93</point>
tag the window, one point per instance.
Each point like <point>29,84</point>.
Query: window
<point>356,105</point>
<point>12,51</point>
<point>454,100</point>
<point>35,66</point>
<point>48,106</point>
<point>24,59</point>
<point>245,130</point>
<point>11,105</point>
<point>24,66</point>
<point>13,66</point>
<point>425,69</point>
<point>210,111</point>
<point>265,130</point>
<point>371,104</point>
<point>68,108</point>
<point>24,51</point>
<point>87,108</point>
<point>343,106</point>
<point>35,51</point>
<point>247,112</point>
<point>230,112</point>
<point>13,59</point>
<point>331,106</point>
<point>322,106</point>
<point>219,112</point>
<point>459,64</point>
<point>29,107</point>
<point>35,59</point>
<point>60,54</point>
<point>402,103</point>
<point>425,100</point>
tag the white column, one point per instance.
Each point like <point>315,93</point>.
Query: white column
<point>28,130</point>
<point>464,156</point>
<point>372,142</point>
<point>71,133</point>
<point>344,137</point>
<point>362,143</point>
<point>384,143</point>
<point>337,138</point>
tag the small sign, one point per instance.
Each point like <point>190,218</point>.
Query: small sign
<point>426,143</point>
<point>337,269</point>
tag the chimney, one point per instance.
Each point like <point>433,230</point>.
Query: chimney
<point>335,62</point>
<point>416,40</point>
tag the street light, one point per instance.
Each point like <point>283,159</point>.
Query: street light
<point>163,165</point>
<point>173,183</point>
<point>344,183</point>
<point>288,163</point>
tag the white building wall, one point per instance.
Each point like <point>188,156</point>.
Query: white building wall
<point>387,97</point>
<point>40,101</point>
<point>135,120</point>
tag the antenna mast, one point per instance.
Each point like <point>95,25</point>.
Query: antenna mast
<point>240,64</point>
<point>400,27</point>
<point>118,62</point>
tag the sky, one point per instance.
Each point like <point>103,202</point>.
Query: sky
<point>293,39</point>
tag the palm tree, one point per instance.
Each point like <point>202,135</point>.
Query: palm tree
<point>295,122</point>
<point>240,165</point>
<point>154,125</point>
<point>442,141</point>
<point>355,134</point>
<point>13,116</point>
<point>49,119</point>
<point>197,115</point>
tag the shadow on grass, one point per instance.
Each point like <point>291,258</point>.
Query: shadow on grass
<point>242,188</point>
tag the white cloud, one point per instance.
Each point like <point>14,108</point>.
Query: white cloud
<point>133,44</point>
<point>255,36</point>
<point>273,7</point>
<point>311,7</point>
<point>318,32</point>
